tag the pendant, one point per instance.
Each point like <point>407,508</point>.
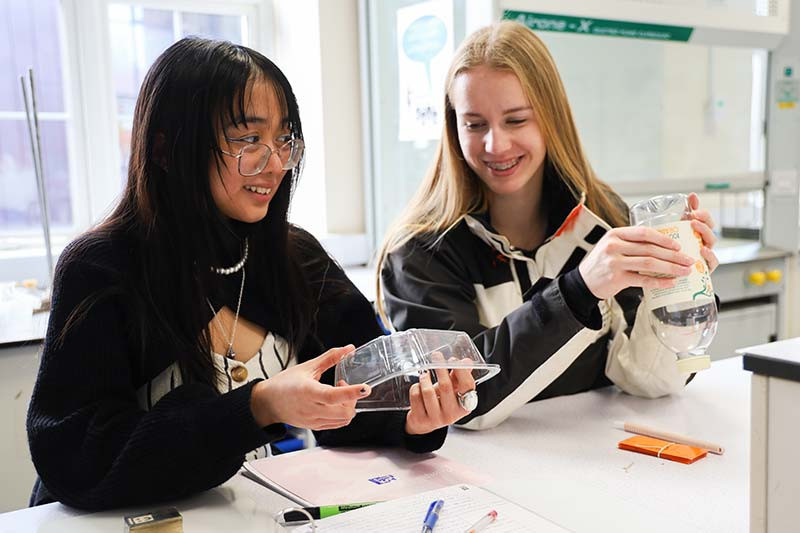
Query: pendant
<point>230,354</point>
<point>239,374</point>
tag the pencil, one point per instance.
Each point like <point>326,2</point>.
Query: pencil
<point>672,437</point>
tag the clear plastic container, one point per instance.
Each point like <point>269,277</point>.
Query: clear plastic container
<point>392,363</point>
<point>683,317</point>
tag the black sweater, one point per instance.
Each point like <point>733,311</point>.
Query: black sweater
<point>92,444</point>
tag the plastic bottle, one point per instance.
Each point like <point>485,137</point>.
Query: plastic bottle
<point>684,317</point>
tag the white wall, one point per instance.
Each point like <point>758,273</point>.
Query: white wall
<point>793,299</point>
<point>297,53</point>
<point>316,42</point>
<point>704,116</point>
<point>341,100</point>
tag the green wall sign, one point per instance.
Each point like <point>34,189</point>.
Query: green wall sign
<point>592,26</point>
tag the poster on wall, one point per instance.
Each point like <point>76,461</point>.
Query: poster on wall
<point>424,50</point>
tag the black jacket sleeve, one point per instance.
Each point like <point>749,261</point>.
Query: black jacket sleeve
<point>91,443</point>
<point>428,287</point>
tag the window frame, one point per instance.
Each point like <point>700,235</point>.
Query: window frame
<point>21,239</point>
<point>90,103</point>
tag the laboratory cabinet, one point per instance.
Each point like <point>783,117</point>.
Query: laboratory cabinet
<point>751,284</point>
<point>774,468</point>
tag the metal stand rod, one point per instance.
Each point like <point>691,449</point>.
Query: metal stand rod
<point>38,168</point>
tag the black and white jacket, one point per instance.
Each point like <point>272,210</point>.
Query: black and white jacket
<point>528,312</point>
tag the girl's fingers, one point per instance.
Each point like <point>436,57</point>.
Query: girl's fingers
<point>332,421</point>
<point>325,361</point>
<point>635,249</point>
<point>445,390</point>
<point>703,216</point>
<point>650,282</point>
<point>709,239</point>
<point>429,398</point>
<point>342,394</point>
<point>644,234</point>
<point>710,257</point>
<point>462,380</point>
<point>415,398</point>
<point>657,266</point>
<point>457,387</point>
<point>462,377</point>
<point>323,427</point>
<point>335,412</point>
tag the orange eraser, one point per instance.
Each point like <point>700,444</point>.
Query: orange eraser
<point>664,449</point>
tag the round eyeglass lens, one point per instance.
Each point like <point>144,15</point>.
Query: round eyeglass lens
<point>254,157</point>
<point>291,152</point>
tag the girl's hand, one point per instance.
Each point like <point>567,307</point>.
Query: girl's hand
<point>296,397</point>
<point>702,223</point>
<point>436,406</point>
<point>621,254</point>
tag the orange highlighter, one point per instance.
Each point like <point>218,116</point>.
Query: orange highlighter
<point>490,517</point>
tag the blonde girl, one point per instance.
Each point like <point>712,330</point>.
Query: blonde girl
<point>512,238</point>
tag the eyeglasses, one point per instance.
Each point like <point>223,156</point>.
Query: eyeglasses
<point>253,157</point>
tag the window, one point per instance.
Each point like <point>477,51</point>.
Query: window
<point>90,57</point>
<point>31,37</point>
<point>400,158</point>
<point>82,52</point>
<point>139,35</point>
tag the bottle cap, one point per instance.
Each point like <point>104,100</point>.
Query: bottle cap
<point>695,363</point>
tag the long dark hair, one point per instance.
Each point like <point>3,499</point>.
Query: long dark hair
<point>168,213</point>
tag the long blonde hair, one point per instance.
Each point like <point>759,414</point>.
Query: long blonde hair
<point>451,189</point>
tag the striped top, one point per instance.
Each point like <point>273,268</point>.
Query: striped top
<point>271,358</point>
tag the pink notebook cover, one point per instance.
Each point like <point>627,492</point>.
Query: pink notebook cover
<point>322,476</point>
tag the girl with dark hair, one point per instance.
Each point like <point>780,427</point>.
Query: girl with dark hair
<point>185,328</point>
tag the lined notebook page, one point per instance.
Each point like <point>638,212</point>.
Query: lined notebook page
<point>463,506</point>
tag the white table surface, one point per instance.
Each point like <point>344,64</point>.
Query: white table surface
<point>787,349</point>
<point>239,505</point>
<point>558,457</point>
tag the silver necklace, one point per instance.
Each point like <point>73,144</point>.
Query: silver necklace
<point>235,268</point>
<point>230,354</point>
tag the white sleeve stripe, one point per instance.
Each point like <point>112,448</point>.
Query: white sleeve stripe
<point>640,364</point>
<point>539,379</point>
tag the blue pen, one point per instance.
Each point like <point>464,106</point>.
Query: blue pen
<point>432,516</point>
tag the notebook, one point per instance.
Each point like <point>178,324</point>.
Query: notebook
<point>321,476</point>
<point>463,506</point>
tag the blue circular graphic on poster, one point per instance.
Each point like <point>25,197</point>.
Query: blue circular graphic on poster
<point>424,38</point>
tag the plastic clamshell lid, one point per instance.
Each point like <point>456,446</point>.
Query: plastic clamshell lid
<point>392,363</point>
